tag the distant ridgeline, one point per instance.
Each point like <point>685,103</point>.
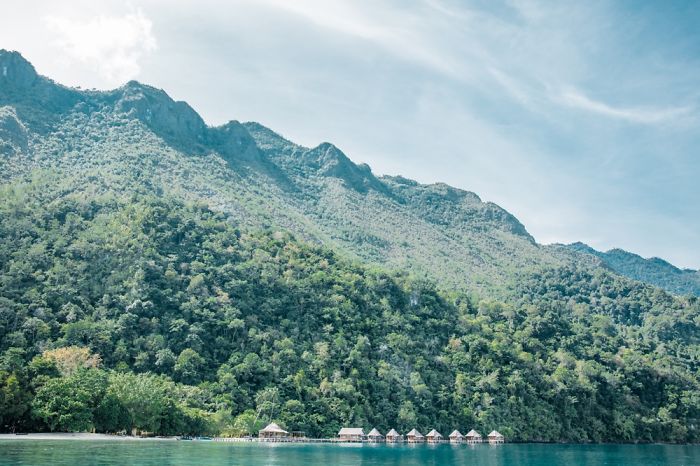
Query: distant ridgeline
<point>654,271</point>
<point>160,275</point>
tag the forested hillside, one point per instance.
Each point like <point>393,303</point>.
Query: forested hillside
<point>265,326</point>
<point>161,275</point>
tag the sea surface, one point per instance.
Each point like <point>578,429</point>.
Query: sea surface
<point>203,453</point>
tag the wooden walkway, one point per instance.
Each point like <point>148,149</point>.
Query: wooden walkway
<point>326,440</point>
<point>279,440</point>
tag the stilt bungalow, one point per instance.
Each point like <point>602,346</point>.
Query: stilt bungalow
<point>456,437</point>
<point>351,434</point>
<point>473,437</point>
<point>415,437</point>
<point>393,437</point>
<point>496,437</point>
<point>434,436</point>
<point>375,436</point>
<point>272,432</point>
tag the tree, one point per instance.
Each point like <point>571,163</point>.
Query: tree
<point>407,415</point>
<point>14,400</point>
<point>267,403</point>
<point>70,359</point>
<point>189,366</point>
<point>247,423</point>
<point>145,397</point>
<point>293,414</point>
<point>40,370</point>
<point>165,360</point>
<point>197,421</point>
<point>64,406</point>
<point>111,415</point>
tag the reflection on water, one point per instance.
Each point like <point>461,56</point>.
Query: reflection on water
<point>89,453</point>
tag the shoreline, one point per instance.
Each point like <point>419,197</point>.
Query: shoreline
<point>80,436</point>
<point>127,438</point>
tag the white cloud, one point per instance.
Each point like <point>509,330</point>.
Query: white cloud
<point>575,99</point>
<point>511,86</point>
<point>529,9</point>
<point>112,45</point>
<point>513,110</point>
<point>403,33</point>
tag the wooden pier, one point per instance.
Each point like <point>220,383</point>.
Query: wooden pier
<point>281,440</point>
<point>273,433</point>
<point>322,440</point>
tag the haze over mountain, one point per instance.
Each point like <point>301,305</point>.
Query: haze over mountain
<point>236,272</point>
<point>654,270</point>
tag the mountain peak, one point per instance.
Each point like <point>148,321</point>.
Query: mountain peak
<point>328,160</point>
<point>15,70</point>
<point>234,141</point>
<point>269,141</point>
<point>173,120</point>
<point>582,247</point>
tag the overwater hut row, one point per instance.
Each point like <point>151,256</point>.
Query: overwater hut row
<point>414,436</point>
<point>356,434</point>
<point>273,432</point>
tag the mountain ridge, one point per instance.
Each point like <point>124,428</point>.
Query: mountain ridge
<point>318,192</point>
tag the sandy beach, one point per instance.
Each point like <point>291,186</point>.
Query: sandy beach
<point>80,436</point>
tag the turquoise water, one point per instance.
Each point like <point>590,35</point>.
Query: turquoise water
<point>76,452</point>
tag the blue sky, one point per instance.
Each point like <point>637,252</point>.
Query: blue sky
<point>581,118</point>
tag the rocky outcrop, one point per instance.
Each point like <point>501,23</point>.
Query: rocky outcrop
<point>16,73</point>
<point>233,141</point>
<point>176,122</point>
<point>13,134</point>
<point>327,160</point>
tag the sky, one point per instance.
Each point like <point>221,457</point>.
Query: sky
<point>580,118</point>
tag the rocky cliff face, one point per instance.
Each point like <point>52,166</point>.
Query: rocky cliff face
<point>233,141</point>
<point>16,73</point>
<point>327,160</point>
<point>13,134</point>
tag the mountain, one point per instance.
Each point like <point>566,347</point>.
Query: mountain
<point>654,271</point>
<point>163,275</point>
<point>266,181</point>
<point>136,138</point>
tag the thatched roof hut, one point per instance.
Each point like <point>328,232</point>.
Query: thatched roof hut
<point>392,436</point>
<point>434,436</point>
<point>351,434</point>
<point>415,437</point>
<point>496,437</point>
<point>272,430</point>
<point>473,437</point>
<point>456,437</point>
<point>375,436</point>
